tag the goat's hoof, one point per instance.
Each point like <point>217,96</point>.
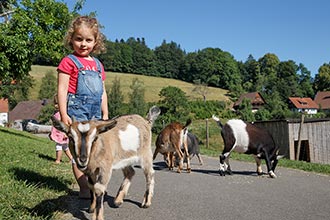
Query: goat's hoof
<point>272,174</point>
<point>145,206</point>
<point>229,172</point>
<point>117,204</point>
<point>222,173</point>
<point>188,170</point>
<point>90,210</point>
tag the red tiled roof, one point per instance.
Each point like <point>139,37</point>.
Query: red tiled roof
<point>323,99</point>
<point>4,108</point>
<point>303,103</point>
<point>255,97</point>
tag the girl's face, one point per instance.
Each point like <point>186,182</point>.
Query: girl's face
<point>83,41</point>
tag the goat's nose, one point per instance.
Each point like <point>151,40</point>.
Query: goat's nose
<point>83,158</point>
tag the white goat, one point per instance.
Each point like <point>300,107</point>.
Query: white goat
<point>98,147</point>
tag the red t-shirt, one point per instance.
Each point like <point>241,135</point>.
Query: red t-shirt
<point>67,66</point>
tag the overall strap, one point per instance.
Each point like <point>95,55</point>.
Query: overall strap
<point>98,64</point>
<point>76,61</point>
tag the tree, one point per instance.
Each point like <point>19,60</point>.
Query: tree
<point>267,79</point>
<point>322,79</point>
<point>15,65</point>
<point>305,82</point>
<point>137,105</point>
<point>287,80</point>
<point>250,72</point>
<point>44,22</point>
<point>48,86</point>
<point>245,110</point>
<point>143,58</point>
<point>118,58</point>
<point>6,9</point>
<point>115,99</point>
<point>35,31</point>
<point>169,58</point>
<point>173,104</point>
<point>201,89</point>
<point>277,108</point>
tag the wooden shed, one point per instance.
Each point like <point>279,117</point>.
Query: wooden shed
<point>314,135</point>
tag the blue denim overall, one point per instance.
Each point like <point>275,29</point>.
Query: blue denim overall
<point>86,103</point>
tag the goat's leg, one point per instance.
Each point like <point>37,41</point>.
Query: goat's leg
<point>227,166</point>
<point>180,155</point>
<point>274,163</point>
<point>122,192</point>
<point>170,159</point>
<point>93,203</point>
<point>98,213</point>
<point>150,184</point>
<point>186,153</point>
<point>224,164</point>
<point>199,159</point>
<point>258,162</point>
<point>268,164</point>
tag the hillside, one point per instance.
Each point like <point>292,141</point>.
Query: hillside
<point>153,85</point>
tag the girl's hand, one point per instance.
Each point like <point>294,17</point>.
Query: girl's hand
<point>67,120</point>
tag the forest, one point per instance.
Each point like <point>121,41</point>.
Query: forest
<point>32,33</point>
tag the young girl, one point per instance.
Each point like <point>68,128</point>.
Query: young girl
<point>81,90</point>
<point>59,138</point>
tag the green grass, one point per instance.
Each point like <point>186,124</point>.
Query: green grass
<point>153,85</point>
<point>31,185</point>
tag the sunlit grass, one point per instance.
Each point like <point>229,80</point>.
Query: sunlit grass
<point>31,185</point>
<point>153,85</point>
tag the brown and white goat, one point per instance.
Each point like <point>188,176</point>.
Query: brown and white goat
<point>98,147</point>
<point>169,142</point>
<point>247,138</point>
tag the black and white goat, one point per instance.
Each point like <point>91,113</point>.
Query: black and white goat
<point>247,138</point>
<point>98,147</point>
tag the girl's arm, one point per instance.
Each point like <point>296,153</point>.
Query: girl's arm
<point>62,92</point>
<point>104,104</point>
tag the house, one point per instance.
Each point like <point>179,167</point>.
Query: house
<point>4,109</point>
<point>27,110</point>
<point>306,105</point>
<point>322,99</point>
<point>312,134</point>
<point>257,101</point>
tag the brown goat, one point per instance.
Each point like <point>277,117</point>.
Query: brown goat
<point>169,143</point>
<point>98,147</point>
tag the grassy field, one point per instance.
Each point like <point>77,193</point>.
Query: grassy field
<point>33,187</point>
<point>153,85</point>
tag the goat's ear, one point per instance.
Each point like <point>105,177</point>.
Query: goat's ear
<point>106,125</point>
<point>59,125</point>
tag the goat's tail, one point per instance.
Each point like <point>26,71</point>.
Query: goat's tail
<point>188,122</point>
<point>217,120</point>
<point>153,113</point>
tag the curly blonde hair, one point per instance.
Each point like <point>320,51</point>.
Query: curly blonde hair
<point>88,22</point>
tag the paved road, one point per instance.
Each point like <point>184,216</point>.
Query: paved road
<point>203,194</point>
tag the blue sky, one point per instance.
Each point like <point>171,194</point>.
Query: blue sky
<point>297,30</point>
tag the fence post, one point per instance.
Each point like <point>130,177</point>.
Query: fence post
<point>299,136</point>
<point>207,133</point>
